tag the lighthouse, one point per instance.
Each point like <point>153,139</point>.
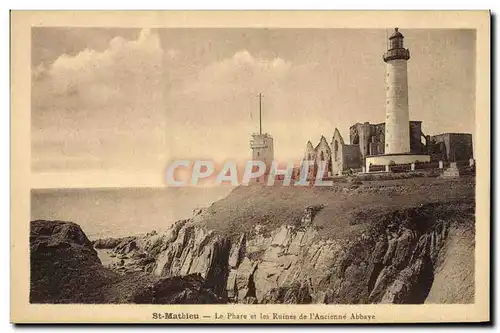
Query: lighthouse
<point>397,118</point>
<point>397,148</point>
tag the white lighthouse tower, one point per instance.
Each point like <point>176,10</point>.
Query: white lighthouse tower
<point>397,118</point>
<point>397,150</point>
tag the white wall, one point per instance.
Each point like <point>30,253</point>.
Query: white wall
<point>397,133</point>
<point>397,159</point>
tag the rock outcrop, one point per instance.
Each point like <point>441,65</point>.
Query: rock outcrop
<point>188,289</point>
<point>392,259</point>
<point>65,268</point>
<point>403,241</point>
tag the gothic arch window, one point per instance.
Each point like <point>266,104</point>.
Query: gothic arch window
<point>322,157</point>
<point>336,150</point>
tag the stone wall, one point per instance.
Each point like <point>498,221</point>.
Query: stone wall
<point>416,146</point>
<point>395,159</point>
<point>351,157</point>
<point>458,146</point>
<point>324,154</point>
<point>337,153</point>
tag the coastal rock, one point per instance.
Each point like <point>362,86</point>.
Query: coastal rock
<point>378,266</point>
<point>237,252</point>
<point>385,254</point>
<point>64,266</point>
<point>108,243</point>
<point>292,294</point>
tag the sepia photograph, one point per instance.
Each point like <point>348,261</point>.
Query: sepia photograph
<point>246,166</point>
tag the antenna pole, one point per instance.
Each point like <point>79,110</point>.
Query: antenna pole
<point>260,113</point>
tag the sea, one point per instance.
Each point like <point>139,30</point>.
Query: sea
<point>118,212</point>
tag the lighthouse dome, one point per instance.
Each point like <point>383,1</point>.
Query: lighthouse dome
<point>396,34</point>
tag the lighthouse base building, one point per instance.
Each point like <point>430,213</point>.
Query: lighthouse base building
<point>396,143</point>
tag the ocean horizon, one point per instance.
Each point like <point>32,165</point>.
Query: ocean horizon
<point>118,212</point>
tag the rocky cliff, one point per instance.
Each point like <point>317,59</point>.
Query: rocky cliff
<point>65,268</point>
<point>404,246</point>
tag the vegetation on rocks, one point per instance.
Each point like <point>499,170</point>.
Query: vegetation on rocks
<point>65,268</point>
<point>391,241</point>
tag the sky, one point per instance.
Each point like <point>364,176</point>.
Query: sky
<point>113,102</point>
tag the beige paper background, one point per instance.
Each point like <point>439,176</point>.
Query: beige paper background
<point>21,23</point>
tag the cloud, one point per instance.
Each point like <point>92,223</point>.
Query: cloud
<point>219,107</point>
<point>137,102</point>
<point>242,73</point>
<point>119,108</point>
<point>99,78</point>
<point>105,101</point>
<point>173,54</point>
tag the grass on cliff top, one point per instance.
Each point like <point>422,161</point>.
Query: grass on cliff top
<point>347,206</point>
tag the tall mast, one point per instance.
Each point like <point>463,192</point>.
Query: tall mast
<point>260,113</point>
